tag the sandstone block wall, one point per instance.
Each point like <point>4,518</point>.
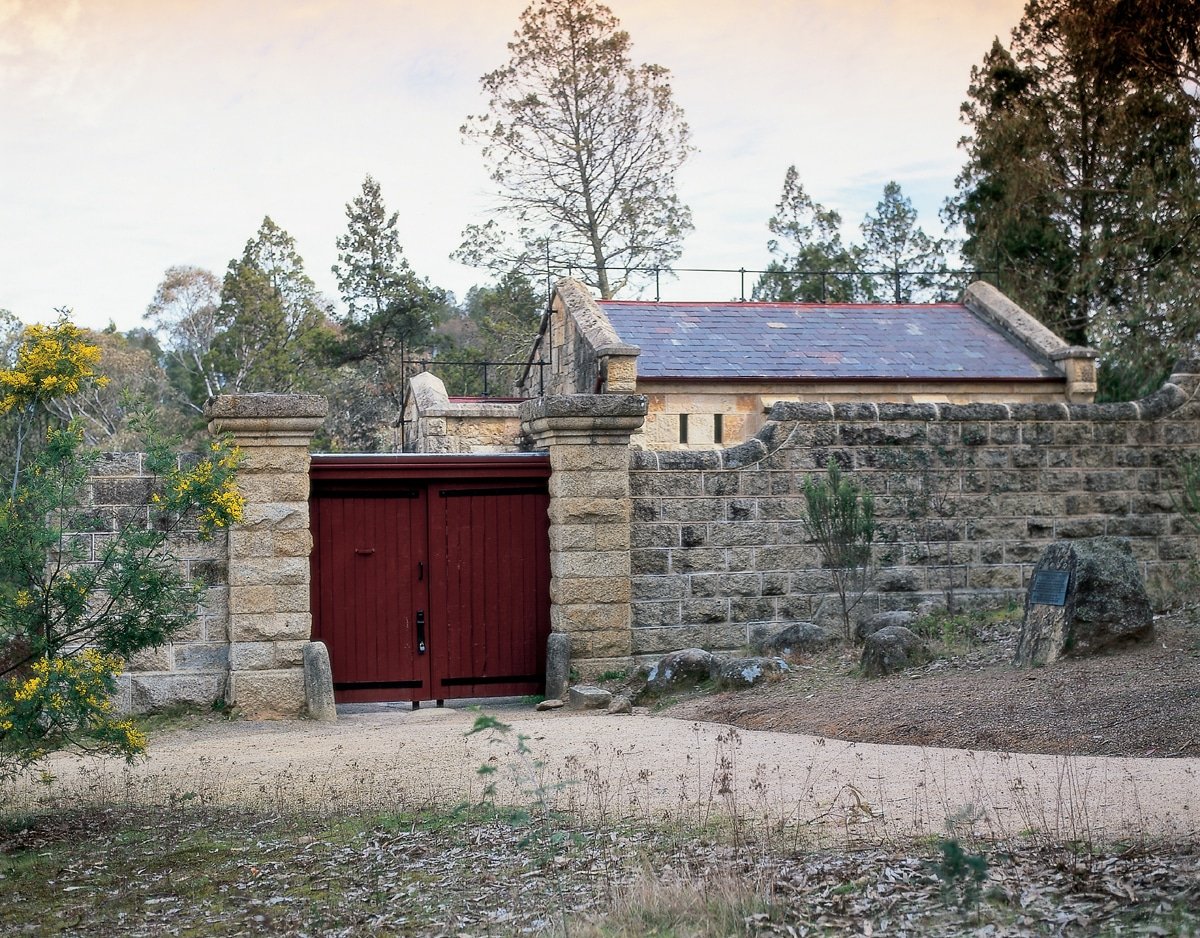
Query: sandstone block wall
<point>435,424</point>
<point>584,352</point>
<point>192,668</point>
<point>719,547</point>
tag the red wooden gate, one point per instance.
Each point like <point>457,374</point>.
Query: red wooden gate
<point>431,575</point>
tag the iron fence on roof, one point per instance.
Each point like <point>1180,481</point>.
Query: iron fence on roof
<point>826,286</point>
<point>484,379</point>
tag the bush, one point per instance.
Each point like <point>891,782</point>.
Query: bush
<point>841,520</point>
<point>69,616</point>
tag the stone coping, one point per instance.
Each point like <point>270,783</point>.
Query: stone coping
<point>504,409</point>
<point>584,405</point>
<point>1167,399</point>
<point>265,406</point>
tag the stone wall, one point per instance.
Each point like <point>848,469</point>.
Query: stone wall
<point>584,352</point>
<point>719,546</point>
<point>246,644</point>
<point>435,424</point>
<point>194,667</point>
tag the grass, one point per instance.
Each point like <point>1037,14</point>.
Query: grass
<point>960,631</point>
<point>468,870</point>
<point>732,857</point>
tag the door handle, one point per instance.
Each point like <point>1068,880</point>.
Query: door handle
<point>364,551</point>
<point>420,631</point>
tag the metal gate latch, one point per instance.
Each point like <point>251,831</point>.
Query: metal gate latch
<point>420,631</point>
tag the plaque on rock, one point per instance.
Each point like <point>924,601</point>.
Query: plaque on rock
<point>1084,596</point>
<point>1049,587</point>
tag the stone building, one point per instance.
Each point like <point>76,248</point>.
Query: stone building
<point>712,371</point>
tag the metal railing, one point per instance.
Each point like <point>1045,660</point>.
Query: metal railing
<point>496,379</point>
<point>939,280</point>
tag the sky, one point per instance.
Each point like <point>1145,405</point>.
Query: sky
<point>140,134</point>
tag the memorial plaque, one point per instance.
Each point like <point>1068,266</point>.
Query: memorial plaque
<point>1049,587</point>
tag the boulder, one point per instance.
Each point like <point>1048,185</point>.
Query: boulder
<point>1105,602</point>
<point>883,620</point>
<point>681,670</point>
<point>738,673</point>
<point>893,648</point>
<point>799,638</point>
<point>550,703</point>
<point>588,697</point>
<point>620,704</point>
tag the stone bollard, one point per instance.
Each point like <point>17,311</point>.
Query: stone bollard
<point>318,683</point>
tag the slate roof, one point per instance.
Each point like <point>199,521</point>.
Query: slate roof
<point>801,340</point>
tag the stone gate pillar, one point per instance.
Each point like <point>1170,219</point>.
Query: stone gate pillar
<point>269,617</point>
<point>587,436</point>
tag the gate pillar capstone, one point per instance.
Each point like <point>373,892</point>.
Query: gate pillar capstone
<point>587,436</point>
<point>269,617</point>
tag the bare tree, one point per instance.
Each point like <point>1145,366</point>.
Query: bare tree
<point>584,146</point>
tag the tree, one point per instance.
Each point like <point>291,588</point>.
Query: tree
<point>49,363</point>
<point>271,327</point>
<point>1158,37</point>
<point>390,316</point>
<point>913,264</point>
<point>369,255</point>
<point>185,313</point>
<point>841,521</point>
<point>584,146</point>
<point>132,379</point>
<point>1082,182</point>
<point>812,265</point>
<point>507,314</point>
<point>67,618</point>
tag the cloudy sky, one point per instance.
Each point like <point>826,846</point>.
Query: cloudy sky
<point>139,134</point>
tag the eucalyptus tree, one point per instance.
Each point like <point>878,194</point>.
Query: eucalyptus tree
<point>184,316</point>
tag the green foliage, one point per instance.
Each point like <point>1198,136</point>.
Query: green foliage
<point>1082,179</point>
<point>583,146</point>
<point>893,244</point>
<point>271,328</point>
<point>806,236</point>
<point>507,315</point>
<point>69,613</point>
<point>185,315</point>
<point>962,874</point>
<point>841,520</point>
<point>812,264</point>
<point>389,318</point>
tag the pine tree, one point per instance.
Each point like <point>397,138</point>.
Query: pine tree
<point>1082,183</point>
<point>271,325</point>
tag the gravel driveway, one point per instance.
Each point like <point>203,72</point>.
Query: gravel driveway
<point>640,765</point>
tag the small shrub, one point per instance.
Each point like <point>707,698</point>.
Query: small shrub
<point>962,874</point>
<point>841,521</point>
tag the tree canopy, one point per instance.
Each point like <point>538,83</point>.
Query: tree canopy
<point>584,146</point>
<point>1082,182</point>
<point>896,260</point>
<point>271,326</point>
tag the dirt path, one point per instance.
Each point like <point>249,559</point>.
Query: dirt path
<point>640,765</point>
<point>1142,700</point>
